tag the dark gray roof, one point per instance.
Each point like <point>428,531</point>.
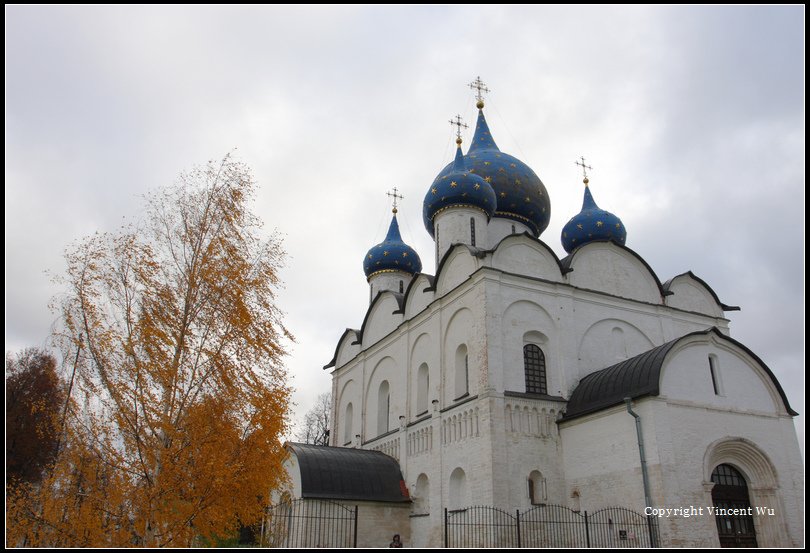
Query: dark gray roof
<point>345,473</point>
<point>640,376</point>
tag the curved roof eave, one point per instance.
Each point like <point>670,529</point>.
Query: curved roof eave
<point>400,309</point>
<point>640,376</point>
<point>703,283</point>
<point>568,260</point>
<point>431,282</point>
<point>337,348</point>
<point>536,240</point>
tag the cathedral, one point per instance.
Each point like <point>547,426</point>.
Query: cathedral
<point>512,378</point>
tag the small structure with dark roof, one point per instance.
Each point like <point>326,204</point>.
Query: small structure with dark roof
<point>344,473</point>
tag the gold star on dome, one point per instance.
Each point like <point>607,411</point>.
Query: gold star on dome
<point>512,165</point>
<point>477,186</point>
<point>618,225</point>
<point>370,256</point>
<point>599,223</point>
<point>528,199</point>
<point>472,170</point>
<point>464,194</point>
<point>503,194</point>
<point>517,181</point>
<point>496,155</point>
<point>433,190</point>
<point>385,253</point>
<point>453,184</point>
<point>488,179</point>
<point>579,226</point>
<point>502,170</point>
<point>404,254</point>
<point>487,163</point>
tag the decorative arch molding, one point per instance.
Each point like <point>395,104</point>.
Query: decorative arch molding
<point>763,485</point>
<point>691,278</point>
<point>350,337</point>
<point>745,456</point>
<point>541,260</point>
<point>586,280</point>
<point>599,338</point>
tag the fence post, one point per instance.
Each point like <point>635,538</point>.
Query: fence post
<point>446,535</point>
<point>355,526</point>
<point>587,531</point>
<point>517,519</point>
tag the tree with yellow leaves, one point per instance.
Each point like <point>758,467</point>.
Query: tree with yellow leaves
<point>180,397</point>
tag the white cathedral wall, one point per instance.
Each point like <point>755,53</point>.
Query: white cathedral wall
<point>393,281</point>
<point>452,226</point>
<point>690,295</point>
<point>491,438</point>
<point>499,228</point>
<point>608,268</point>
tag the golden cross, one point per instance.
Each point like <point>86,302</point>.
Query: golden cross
<point>479,85</point>
<point>393,194</point>
<point>458,122</point>
<point>584,167</point>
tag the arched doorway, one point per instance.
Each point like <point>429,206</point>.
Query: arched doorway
<point>730,492</point>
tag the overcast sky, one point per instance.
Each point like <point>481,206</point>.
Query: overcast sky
<point>692,118</point>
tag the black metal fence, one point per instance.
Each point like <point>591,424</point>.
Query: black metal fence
<point>549,526</point>
<point>310,523</point>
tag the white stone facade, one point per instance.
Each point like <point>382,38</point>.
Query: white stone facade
<point>436,379</point>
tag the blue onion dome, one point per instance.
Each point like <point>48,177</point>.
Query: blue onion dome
<point>592,223</point>
<point>392,254</point>
<point>457,187</point>
<point>521,195</point>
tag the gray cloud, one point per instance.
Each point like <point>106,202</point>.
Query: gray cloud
<point>692,117</point>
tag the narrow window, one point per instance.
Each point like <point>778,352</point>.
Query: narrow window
<point>462,375</point>
<point>383,408</point>
<point>347,425</point>
<point>437,246</point>
<point>422,387</point>
<point>717,385</point>
<point>400,287</point>
<point>472,231</point>
<point>513,229</point>
<point>532,499</point>
<point>534,365</point>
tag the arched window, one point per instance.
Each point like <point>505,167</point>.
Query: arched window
<point>472,231</point>
<point>537,488</point>
<point>383,408</point>
<point>422,387</point>
<point>347,424</point>
<point>421,503</point>
<point>513,229</point>
<point>462,387</point>
<point>534,365</point>
<point>458,489</point>
<point>730,494</point>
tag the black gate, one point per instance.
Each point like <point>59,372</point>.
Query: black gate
<point>310,523</point>
<point>480,526</point>
<point>552,526</point>
<point>619,527</point>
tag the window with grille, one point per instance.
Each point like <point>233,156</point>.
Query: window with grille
<point>534,364</point>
